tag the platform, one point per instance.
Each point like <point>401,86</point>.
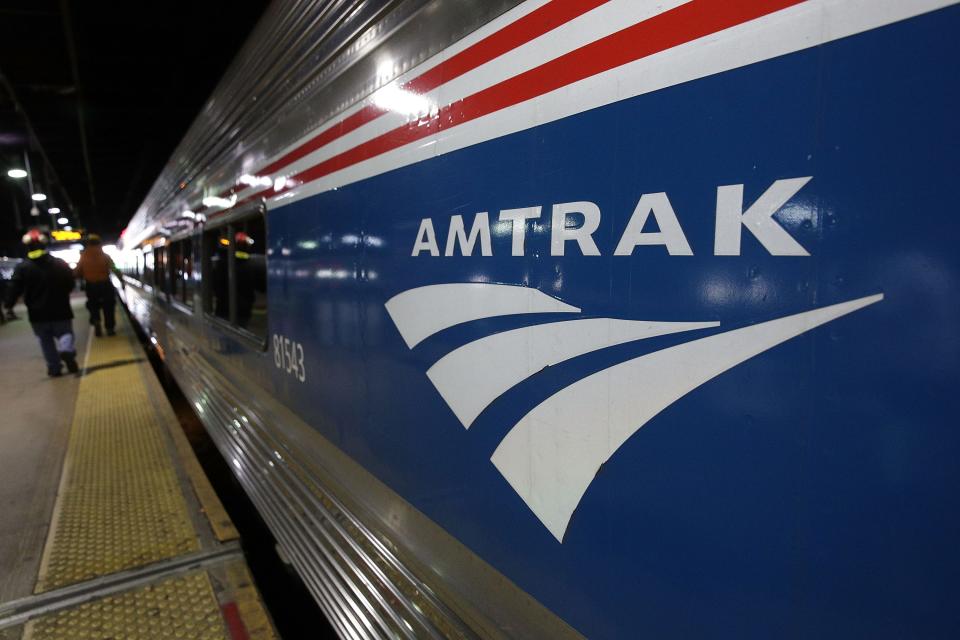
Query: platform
<point>108,527</point>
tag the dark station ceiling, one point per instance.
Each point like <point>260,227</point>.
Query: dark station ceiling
<point>100,93</point>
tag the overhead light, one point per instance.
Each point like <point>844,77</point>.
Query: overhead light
<point>213,201</point>
<point>255,181</point>
<point>68,228</point>
<point>53,210</point>
<point>71,255</point>
<point>39,197</point>
<point>63,220</point>
<point>17,173</point>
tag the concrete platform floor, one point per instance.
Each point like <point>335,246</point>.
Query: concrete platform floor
<point>108,526</point>
<point>36,412</point>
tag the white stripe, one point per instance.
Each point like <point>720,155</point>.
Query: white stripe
<point>419,313</point>
<point>471,377</point>
<point>793,29</point>
<point>552,455</point>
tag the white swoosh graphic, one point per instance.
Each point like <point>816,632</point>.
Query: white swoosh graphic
<point>474,375</point>
<point>551,456</point>
<point>419,313</point>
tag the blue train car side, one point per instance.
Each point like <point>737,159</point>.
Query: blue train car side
<point>602,319</point>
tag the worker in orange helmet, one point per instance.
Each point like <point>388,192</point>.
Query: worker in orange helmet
<point>45,282</point>
<point>94,268</point>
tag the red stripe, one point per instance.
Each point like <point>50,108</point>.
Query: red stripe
<point>532,26</point>
<point>231,615</point>
<point>683,24</point>
<point>529,27</point>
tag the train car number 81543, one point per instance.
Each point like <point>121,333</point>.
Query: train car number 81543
<point>288,356</point>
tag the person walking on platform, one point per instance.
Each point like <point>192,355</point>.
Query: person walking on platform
<point>94,268</point>
<point>3,296</point>
<point>45,283</point>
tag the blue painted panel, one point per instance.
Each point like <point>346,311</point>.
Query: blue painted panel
<point>809,492</point>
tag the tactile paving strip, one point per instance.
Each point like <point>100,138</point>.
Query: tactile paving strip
<point>182,607</point>
<point>120,505</point>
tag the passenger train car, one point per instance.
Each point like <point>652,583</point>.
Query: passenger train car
<point>606,319</point>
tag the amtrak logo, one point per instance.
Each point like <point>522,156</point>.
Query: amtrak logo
<point>553,453</point>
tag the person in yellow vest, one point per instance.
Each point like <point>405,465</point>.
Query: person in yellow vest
<point>94,268</point>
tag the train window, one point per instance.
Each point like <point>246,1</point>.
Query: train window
<point>131,264</point>
<point>236,270</point>
<point>181,271</point>
<point>160,274</point>
<point>186,272</point>
<point>216,272</point>
<point>173,259</point>
<point>250,274</point>
<point>148,262</point>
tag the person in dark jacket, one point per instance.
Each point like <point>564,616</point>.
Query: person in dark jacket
<point>94,268</point>
<point>45,283</point>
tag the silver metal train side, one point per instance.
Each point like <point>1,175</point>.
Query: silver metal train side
<point>377,566</point>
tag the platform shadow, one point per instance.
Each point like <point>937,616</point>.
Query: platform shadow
<point>110,365</point>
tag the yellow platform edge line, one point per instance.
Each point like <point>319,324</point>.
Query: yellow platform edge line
<point>61,489</point>
<point>213,509</point>
<point>255,619</point>
<point>210,504</point>
<point>92,433</point>
<point>184,606</point>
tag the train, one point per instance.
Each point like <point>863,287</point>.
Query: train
<point>580,318</point>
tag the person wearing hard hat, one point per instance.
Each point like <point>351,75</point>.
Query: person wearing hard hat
<point>94,268</point>
<point>45,283</point>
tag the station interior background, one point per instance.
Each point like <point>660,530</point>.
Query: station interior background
<point>99,94</point>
